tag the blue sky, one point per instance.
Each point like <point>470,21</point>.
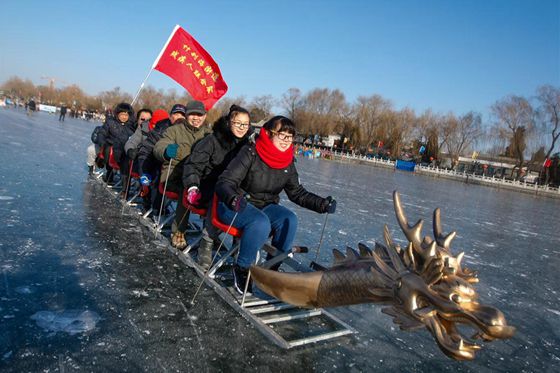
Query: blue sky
<point>445,55</point>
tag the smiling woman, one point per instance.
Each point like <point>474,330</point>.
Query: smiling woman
<point>249,193</point>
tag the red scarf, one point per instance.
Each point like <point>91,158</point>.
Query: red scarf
<point>270,154</point>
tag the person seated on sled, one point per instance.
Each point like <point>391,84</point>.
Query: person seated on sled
<point>143,123</point>
<point>148,165</point>
<point>117,130</point>
<point>143,120</point>
<point>207,161</point>
<point>142,117</point>
<point>133,145</point>
<point>93,159</point>
<point>172,149</point>
<point>249,191</point>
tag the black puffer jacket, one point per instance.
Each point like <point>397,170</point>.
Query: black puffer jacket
<point>248,174</point>
<point>147,162</point>
<point>116,135</point>
<point>210,157</point>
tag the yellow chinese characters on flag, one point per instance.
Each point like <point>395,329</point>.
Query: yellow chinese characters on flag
<point>184,60</point>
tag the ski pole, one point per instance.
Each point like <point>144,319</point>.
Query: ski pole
<point>214,258</point>
<point>164,190</point>
<point>127,185</point>
<point>320,240</point>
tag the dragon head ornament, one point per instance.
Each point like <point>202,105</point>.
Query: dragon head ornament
<point>423,285</point>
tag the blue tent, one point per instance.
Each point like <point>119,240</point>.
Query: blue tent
<point>404,165</point>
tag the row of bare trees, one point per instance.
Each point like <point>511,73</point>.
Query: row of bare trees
<point>518,127</point>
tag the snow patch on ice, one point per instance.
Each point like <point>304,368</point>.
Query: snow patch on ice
<point>138,293</point>
<point>6,198</point>
<point>556,312</point>
<point>24,290</point>
<point>342,232</point>
<point>69,321</point>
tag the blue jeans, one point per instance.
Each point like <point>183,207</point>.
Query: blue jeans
<point>257,226</point>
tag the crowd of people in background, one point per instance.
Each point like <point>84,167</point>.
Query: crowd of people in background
<point>178,152</point>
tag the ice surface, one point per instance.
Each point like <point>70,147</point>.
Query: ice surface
<point>81,253</point>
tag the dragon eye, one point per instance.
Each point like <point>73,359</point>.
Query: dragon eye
<point>456,298</point>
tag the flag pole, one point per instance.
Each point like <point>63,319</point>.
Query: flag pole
<point>155,63</point>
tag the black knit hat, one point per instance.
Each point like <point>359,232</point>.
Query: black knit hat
<point>124,107</point>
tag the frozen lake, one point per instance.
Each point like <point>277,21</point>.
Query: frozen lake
<point>86,288</point>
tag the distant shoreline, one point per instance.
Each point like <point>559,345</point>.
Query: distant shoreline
<point>517,186</point>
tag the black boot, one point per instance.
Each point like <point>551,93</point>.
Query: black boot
<point>240,275</point>
<point>205,254</point>
<point>90,170</point>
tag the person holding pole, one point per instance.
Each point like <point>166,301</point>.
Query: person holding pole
<point>249,192</point>
<point>172,150</point>
<point>207,161</point>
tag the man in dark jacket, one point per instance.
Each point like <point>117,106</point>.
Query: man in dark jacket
<point>116,132</point>
<point>63,111</point>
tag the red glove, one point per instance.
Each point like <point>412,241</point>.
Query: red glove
<point>193,196</point>
<point>145,190</point>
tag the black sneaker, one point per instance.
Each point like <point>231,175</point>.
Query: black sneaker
<point>240,275</point>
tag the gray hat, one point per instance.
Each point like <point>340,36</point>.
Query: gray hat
<point>195,107</point>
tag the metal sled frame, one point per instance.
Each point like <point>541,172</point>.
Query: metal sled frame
<point>264,314</point>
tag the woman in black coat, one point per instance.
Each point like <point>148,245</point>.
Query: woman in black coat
<point>208,159</point>
<point>249,192</point>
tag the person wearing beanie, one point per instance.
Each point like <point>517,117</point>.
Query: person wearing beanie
<point>208,159</point>
<point>249,192</point>
<point>172,149</point>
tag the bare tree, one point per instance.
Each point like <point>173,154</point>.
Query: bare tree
<point>515,120</point>
<point>368,115</point>
<point>18,87</point>
<point>398,128</point>
<point>291,102</point>
<point>549,113</point>
<point>462,134</point>
<point>321,110</point>
<point>113,97</point>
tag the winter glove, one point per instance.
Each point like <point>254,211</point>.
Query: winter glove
<point>238,203</point>
<point>171,151</point>
<point>193,196</point>
<point>146,179</point>
<point>144,190</point>
<point>329,205</point>
<point>132,153</point>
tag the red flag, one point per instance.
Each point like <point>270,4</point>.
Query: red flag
<point>186,62</point>
<point>547,163</point>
